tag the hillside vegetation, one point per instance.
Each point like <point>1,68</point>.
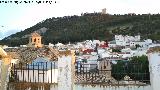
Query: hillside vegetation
<point>89,26</point>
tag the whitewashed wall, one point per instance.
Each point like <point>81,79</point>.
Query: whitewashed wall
<point>78,87</point>
<point>154,66</point>
<point>97,87</point>
<point>64,73</point>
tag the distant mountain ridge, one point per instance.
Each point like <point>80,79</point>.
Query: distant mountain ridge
<point>89,26</point>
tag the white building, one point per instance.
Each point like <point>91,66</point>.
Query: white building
<point>125,40</point>
<point>59,44</point>
<point>144,43</point>
<point>126,50</point>
<point>148,42</point>
<point>96,42</point>
<point>87,61</point>
<point>112,44</point>
<point>51,45</point>
<point>124,55</point>
<point>136,52</point>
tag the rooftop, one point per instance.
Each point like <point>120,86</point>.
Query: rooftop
<point>154,49</point>
<point>26,54</point>
<point>35,34</point>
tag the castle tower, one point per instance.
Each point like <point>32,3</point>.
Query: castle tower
<point>104,11</point>
<point>35,40</point>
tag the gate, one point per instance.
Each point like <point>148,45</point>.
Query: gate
<point>38,75</point>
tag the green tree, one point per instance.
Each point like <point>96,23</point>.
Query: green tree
<point>137,69</point>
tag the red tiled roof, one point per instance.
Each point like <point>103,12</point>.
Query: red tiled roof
<point>88,51</point>
<point>104,45</point>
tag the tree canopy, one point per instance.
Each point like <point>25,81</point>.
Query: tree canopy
<point>137,69</point>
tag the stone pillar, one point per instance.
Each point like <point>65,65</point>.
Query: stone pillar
<point>4,73</point>
<point>65,72</point>
<point>6,60</point>
<point>154,67</point>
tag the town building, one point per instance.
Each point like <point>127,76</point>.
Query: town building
<point>112,44</point>
<point>122,40</point>
<point>105,66</point>
<point>35,40</point>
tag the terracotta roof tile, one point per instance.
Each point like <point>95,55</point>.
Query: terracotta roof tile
<point>154,49</point>
<point>35,34</point>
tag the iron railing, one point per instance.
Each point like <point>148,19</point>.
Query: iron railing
<point>41,72</point>
<point>105,72</point>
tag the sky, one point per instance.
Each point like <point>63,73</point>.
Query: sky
<point>18,17</point>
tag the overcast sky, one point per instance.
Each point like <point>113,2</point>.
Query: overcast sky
<point>14,18</point>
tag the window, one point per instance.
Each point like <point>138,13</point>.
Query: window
<point>35,40</point>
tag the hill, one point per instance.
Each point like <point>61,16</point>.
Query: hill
<point>89,26</point>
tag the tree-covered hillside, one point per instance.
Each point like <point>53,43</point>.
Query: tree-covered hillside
<point>90,26</point>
